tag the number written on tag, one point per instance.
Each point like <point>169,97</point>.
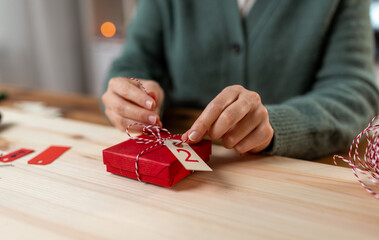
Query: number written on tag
<point>187,156</point>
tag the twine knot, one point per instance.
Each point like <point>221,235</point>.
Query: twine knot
<point>153,131</point>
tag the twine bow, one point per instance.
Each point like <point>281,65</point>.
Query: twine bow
<point>151,131</point>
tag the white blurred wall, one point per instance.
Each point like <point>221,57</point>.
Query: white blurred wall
<point>40,45</point>
<point>16,48</point>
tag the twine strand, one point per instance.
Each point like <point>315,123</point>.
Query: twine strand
<point>153,131</point>
<point>369,166</point>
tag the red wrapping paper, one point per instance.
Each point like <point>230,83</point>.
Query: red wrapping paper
<point>158,165</point>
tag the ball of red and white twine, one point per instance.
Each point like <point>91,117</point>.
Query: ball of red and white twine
<point>369,165</point>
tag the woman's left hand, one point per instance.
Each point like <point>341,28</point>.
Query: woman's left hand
<point>238,117</point>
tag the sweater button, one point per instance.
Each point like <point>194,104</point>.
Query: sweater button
<point>235,48</point>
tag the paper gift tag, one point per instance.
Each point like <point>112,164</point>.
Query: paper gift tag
<point>15,155</point>
<point>49,155</point>
<point>187,156</point>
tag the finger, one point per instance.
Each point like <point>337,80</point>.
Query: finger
<point>131,111</point>
<point>154,90</point>
<point>244,127</point>
<point>131,92</point>
<point>153,95</point>
<point>257,140</point>
<point>121,123</point>
<point>229,117</point>
<point>209,116</point>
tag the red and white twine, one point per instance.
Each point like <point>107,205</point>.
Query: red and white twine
<point>369,167</point>
<point>139,83</point>
<point>153,131</point>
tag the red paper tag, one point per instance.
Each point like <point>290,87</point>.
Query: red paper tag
<point>49,155</point>
<point>15,155</point>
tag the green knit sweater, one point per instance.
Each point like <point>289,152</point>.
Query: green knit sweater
<point>310,61</point>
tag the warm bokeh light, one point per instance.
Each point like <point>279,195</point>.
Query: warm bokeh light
<point>108,29</point>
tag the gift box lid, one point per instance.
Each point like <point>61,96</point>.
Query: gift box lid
<point>158,162</point>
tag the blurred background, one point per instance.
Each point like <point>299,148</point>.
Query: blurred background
<point>68,45</point>
<point>61,45</point>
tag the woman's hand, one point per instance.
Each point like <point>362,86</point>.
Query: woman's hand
<point>238,117</point>
<point>125,102</point>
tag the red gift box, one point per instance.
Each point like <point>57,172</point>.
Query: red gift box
<point>157,165</point>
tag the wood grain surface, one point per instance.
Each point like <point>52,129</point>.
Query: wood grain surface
<point>245,197</point>
<point>73,106</point>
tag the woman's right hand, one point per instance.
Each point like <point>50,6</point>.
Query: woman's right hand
<point>126,103</point>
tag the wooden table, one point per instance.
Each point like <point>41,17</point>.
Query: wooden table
<point>245,197</point>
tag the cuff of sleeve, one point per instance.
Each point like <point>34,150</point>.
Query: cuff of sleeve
<point>289,132</point>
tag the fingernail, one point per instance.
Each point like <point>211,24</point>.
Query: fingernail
<point>152,119</point>
<point>149,104</point>
<point>193,136</point>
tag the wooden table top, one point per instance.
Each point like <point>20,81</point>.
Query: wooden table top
<point>73,106</point>
<point>245,197</point>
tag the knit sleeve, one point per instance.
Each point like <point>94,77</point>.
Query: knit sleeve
<point>143,54</point>
<point>344,97</point>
